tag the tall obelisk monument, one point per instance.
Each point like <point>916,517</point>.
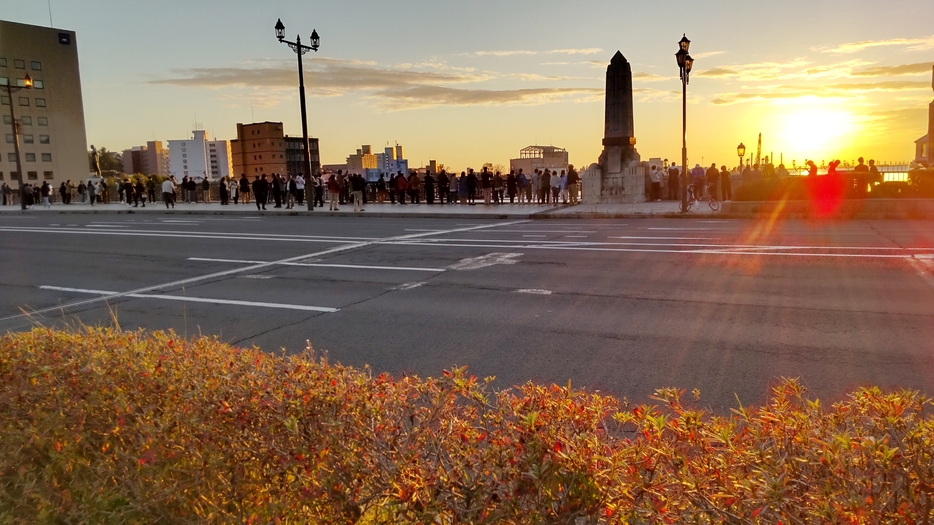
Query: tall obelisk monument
<point>619,130</point>
<point>620,181</point>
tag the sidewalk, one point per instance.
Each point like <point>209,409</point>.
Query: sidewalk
<point>453,211</point>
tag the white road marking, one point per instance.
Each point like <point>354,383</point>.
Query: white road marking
<point>407,286</point>
<point>543,231</point>
<point>193,235</point>
<point>260,277</point>
<point>534,235</point>
<point>195,299</point>
<point>106,226</point>
<point>324,265</point>
<point>492,259</point>
<point>924,267</point>
<point>244,269</point>
<point>575,236</point>
<point>534,291</point>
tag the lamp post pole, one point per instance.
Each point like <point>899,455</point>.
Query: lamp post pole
<point>27,84</point>
<point>301,50</point>
<point>685,63</point>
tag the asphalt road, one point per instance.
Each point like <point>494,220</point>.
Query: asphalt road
<point>624,307</point>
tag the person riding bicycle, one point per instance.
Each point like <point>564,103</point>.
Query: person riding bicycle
<point>713,175</point>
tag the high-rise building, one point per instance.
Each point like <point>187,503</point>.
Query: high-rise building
<point>199,157</point>
<point>151,159</point>
<point>364,159</point>
<point>541,158</point>
<point>262,147</point>
<point>53,141</point>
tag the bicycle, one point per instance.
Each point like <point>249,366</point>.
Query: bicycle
<point>692,200</point>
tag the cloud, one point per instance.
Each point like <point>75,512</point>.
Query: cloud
<point>913,44</point>
<point>583,51</point>
<point>708,54</point>
<point>719,72</point>
<point>400,87</point>
<point>648,77</point>
<point>426,96</point>
<point>828,93</point>
<point>921,68</point>
<point>327,76</point>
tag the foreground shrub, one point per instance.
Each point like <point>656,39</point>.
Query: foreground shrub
<point>102,426</point>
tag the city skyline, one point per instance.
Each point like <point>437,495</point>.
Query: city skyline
<point>468,84</point>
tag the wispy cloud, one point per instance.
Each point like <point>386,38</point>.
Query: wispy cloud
<point>427,96</point>
<point>582,51</point>
<point>797,69</point>
<point>707,54</point>
<point>718,72</point>
<point>921,68</point>
<point>833,92</point>
<point>395,88</point>
<point>911,44</point>
<point>648,77</point>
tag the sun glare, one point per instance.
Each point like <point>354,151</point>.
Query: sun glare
<point>817,132</point>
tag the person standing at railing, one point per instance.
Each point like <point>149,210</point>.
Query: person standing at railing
<point>875,178</point>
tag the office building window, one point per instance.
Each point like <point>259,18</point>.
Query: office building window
<point>40,102</point>
<point>38,84</point>
<point>36,66</point>
<point>30,157</point>
<point>2,62</point>
<point>184,156</point>
<point>43,121</point>
<point>44,139</point>
<point>47,175</point>
<point>46,157</point>
<point>19,64</point>
<point>7,119</point>
<point>11,157</point>
<point>29,139</point>
<point>4,100</point>
<point>23,101</point>
<point>32,175</point>
<point>4,81</point>
<point>26,121</point>
<point>21,82</point>
<point>9,138</point>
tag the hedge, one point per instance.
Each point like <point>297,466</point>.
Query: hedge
<point>104,426</point>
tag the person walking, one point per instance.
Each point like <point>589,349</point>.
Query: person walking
<point>93,191</point>
<point>334,189</point>
<point>454,188</point>
<point>555,182</point>
<point>357,186</point>
<point>429,189</point>
<point>244,189</point>
<point>402,186</point>
<point>129,191</point>
<point>444,185</point>
<point>726,189</point>
<point>63,192</point>
<point>471,187</point>
<point>82,192</point>
<point>261,191</point>
<point>139,194</point>
<point>168,192</point>
<point>151,188</point>
<point>224,190</point>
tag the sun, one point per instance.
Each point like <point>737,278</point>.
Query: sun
<point>817,133</point>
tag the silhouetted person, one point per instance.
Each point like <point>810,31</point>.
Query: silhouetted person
<point>726,188</point>
<point>261,192</point>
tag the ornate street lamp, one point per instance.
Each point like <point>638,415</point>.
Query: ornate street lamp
<point>10,89</point>
<point>685,64</point>
<point>301,50</point>
<point>741,151</point>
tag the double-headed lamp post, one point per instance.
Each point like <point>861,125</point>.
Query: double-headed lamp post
<point>741,151</point>
<point>301,50</point>
<point>10,89</point>
<point>685,64</point>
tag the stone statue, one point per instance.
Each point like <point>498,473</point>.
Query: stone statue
<point>95,161</point>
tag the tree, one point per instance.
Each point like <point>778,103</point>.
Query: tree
<point>109,160</point>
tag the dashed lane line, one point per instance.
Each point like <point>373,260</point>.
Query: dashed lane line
<point>244,269</point>
<point>254,304</point>
<point>324,265</point>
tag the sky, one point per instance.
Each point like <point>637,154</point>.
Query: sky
<point>470,82</point>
